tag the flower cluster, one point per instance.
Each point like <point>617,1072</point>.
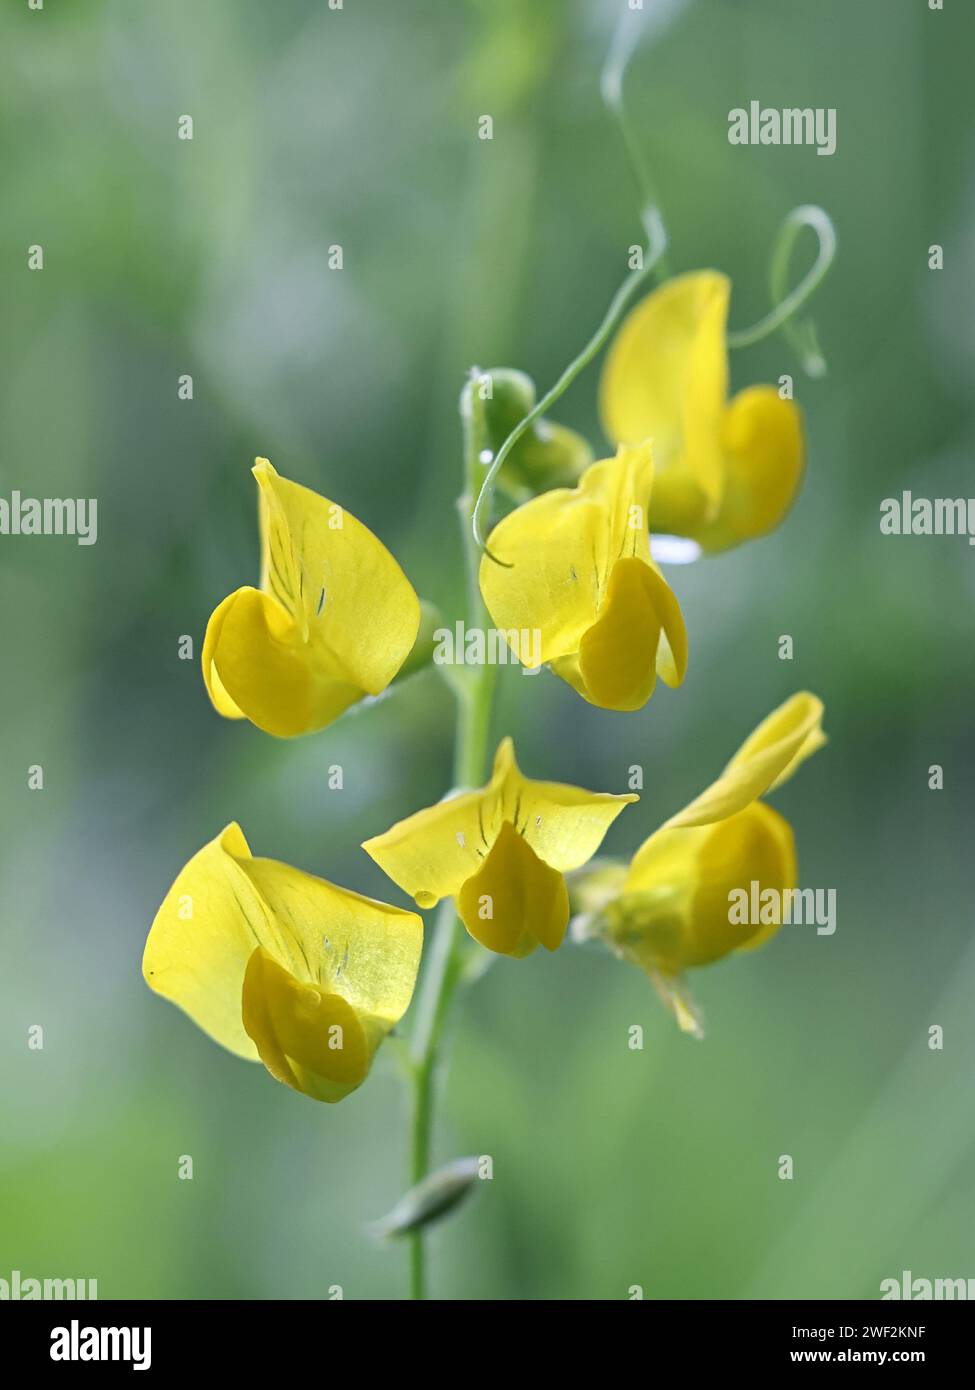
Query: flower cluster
<point>309,978</point>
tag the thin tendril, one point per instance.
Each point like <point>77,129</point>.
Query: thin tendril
<point>628,34</point>
<point>629,31</point>
<point>803,335</point>
<point>654,251</point>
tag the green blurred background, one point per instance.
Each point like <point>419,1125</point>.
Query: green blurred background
<point>316,127</point>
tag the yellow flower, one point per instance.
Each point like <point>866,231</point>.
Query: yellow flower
<point>726,471</point>
<point>669,911</point>
<point>280,966</point>
<point>333,620</point>
<point>582,593</point>
<point>501,852</point>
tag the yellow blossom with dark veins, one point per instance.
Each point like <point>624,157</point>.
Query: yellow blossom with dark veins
<point>282,967</point>
<point>576,570</point>
<point>333,620</point>
<point>501,853</point>
<point>727,471</point>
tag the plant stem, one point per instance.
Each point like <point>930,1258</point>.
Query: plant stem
<point>655,249</point>
<point>444,965</point>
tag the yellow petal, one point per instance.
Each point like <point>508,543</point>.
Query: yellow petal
<point>763,451</point>
<point>563,824</point>
<point>754,846</point>
<point>515,900</point>
<point>771,754</point>
<point>202,938</point>
<point>256,663</point>
<point>222,702</point>
<point>796,727</point>
<point>307,1038</point>
<point>640,630</point>
<point>334,620</point>
<point>581,578</point>
<point>561,547</point>
<point>675,911</point>
<point>666,378</point>
<point>432,853</point>
<point>226,904</point>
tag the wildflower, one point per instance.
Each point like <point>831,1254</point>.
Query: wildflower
<point>501,853</point>
<point>668,911</point>
<point>280,966</point>
<point>333,621</point>
<point>576,569</point>
<point>727,471</point>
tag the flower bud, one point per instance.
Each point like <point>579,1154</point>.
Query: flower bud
<point>547,455</point>
<point>430,1200</point>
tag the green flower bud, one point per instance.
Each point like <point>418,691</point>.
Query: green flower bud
<point>431,1199</point>
<point>547,455</point>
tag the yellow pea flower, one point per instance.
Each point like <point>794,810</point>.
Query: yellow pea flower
<point>669,910</point>
<point>334,619</point>
<point>727,471</point>
<point>582,593</point>
<point>282,967</point>
<point>501,853</point>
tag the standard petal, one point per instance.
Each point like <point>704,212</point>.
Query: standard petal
<point>365,951</point>
<point>334,620</point>
<point>666,378</point>
<point>343,589</point>
<point>771,754</point>
<point>566,825</point>
<point>202,938</point>
<point>623,487</point>
<point>764,454</point>
<point>514,900</point>
<point>556,546</point>
<point>432,853</point>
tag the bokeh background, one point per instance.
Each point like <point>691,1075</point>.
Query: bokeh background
<point>316,127</point>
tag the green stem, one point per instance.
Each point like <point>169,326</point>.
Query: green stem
<point>612,316</point>
<point>445,962</point>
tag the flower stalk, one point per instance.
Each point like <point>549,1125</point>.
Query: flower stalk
<point>475,695</point>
